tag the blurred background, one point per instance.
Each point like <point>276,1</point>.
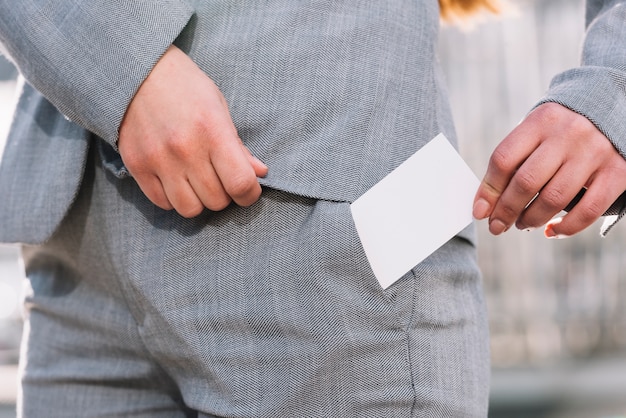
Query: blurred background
<point>557,308</point>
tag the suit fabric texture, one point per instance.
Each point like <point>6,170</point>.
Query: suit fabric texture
<point>270,310</point>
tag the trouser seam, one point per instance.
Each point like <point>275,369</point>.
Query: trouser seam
<point>408,341</point>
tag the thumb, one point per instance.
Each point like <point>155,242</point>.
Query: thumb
<point>485,200</point>
<point>260,169</point>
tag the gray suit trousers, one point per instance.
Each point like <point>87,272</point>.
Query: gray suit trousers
<point>266,311</point>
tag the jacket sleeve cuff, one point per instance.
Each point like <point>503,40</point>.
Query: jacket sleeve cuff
<point>89,58</point>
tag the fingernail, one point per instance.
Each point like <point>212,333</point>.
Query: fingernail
<point>526,228</point>
<point>481,209</point>
<point>549,232</point>
<point>497,227</point>
<point>523,227</point>
<point>261,162</point>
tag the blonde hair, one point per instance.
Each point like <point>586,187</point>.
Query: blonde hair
<point>452,10</point>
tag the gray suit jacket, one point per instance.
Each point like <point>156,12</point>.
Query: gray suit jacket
<point>332,95</point>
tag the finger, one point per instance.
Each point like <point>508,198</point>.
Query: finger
<point>260,169</point>
<point>182,196</point>
<point>527,181</point>
<point>243,187</point>
<point>234,169</point>
<point>151,186</point>
<point>231,159</point>
<point>208,187</point>
<point>503,164</point>
<point>554,196</point>
<point>599,196</point>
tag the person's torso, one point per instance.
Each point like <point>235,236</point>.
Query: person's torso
<point>331,95</point>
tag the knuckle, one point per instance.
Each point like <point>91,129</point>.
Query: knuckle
<point>242,186</point>
<point>155,195</point>
<point>142,162</point>
<point>151,155</point>
<point>507,212</point>
<point>163,204</point>
<point>204,126</point>
<point>583,128</point>
<point>177,144</point>
<point>553,198</point>
<point>132,160</point>
<point>190,210</point>
<point>589,212</point>
<point>549,113</point>
<point>159,199</point>
<point>500,160</point>
<point>219,203</point>
<point>252,197</point>
<point>525,182</point>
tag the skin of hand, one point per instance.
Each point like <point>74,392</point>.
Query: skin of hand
<point>178,141</point>
<point>546,160</point>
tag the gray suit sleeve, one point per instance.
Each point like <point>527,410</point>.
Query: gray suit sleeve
<point>597,89</point>
<point>89,57</point>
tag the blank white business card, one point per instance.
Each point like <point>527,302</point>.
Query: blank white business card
<point>415,209</point>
